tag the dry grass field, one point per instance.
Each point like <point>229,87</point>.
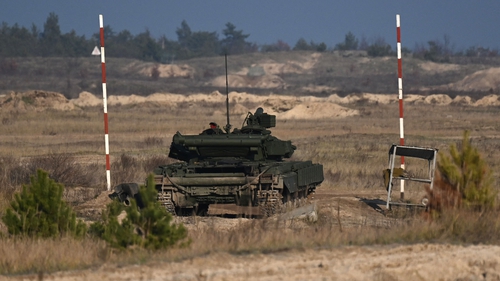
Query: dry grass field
<point>333,108</point>
<point>353,238</point>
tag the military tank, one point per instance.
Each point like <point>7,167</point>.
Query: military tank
<point>245,167</point>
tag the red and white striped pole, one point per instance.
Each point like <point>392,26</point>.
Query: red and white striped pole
<point>400,90</point>
<point>105,103</point>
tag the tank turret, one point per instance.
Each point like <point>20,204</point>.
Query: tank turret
<point>252,142</point>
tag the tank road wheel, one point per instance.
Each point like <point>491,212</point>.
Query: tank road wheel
<point>202,210</point>
<point>270,202</point>
<point>165,199</point>
<point>185,212</point>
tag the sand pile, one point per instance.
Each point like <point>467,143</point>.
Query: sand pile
<point>318,110</point>
<point>35,101</point>
<point>168,70</point>
<point>432,67</point>
<point>483,80</point>
<point>288,107</point>
<point>491,100</point>
<point>264,75</point>
<point>87,99</point>
<point>271,67</point>
<point>243,81</point>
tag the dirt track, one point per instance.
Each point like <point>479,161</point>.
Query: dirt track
<point>409,262</point>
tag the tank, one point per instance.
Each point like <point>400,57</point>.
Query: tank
<point>245,167</point>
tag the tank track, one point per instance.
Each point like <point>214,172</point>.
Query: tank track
<point>165,199</point>
<point>270,202</point>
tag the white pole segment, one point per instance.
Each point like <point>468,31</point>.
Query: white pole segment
<point>105,103</point>
<point>400,93</point>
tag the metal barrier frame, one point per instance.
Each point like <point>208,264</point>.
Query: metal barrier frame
<point>426,153</point>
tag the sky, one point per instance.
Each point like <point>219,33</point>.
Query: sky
<point>465,22</point>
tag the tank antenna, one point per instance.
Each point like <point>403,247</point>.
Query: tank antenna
<point>227,128</point>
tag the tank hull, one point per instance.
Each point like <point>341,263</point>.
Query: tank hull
<point>187,188</point>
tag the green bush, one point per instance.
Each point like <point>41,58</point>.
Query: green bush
<point>150,227</point>
<point>466,171</point>
<point>39,211</point>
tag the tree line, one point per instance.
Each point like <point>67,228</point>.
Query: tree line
<point>17,41</point>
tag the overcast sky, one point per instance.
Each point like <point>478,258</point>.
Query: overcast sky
<point>466,22</point>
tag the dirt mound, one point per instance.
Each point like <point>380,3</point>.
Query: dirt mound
<point>168,70</point>
<point>483,80</point>
<point>244,81</point>
<point>432,67</point>
<point>92,209</point>
<point>264,75</point>
<point>462,100</point>
<point>289,107</point>
<point>311,89</point>
<point>35,101</point>
<point>438,99</point>
<point>87,99</point>
<point>317,110</point>
<point>299,109</point>
<point>491,100</point>
<point>271,67</point>
<point>278,105</point>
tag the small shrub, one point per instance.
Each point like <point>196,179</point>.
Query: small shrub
<point>8,66</point>
<point>125,169</point>
<point>152,162</point>
<point>149,227</point>
<point>463,174</point>
<point>155,73</point>
<point>39,211</point>
<point>153,141</point>
<point>28,100</point>
<point>64,168</point>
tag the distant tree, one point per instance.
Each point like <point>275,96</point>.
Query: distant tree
<point>321,47</point>
<point>376,50</point>
<point>51,40</point>
<point>350,43</point>
<point>122,45</point>
<point>109,41</point>
<point>481,52</point>
<point>170,49</point>
<point>204,44</point>
<point>302,45</point>
<point>363,44</point>
<point>196,44</point>
<point>405,50</point>
<point>234,41</point>
<point>150,50</point>
<point>123,37</point>
<point>183,34</point>
<point>16,41</point>
<point>279,46</point>
<point>108,32</point>
<point>75,45</point>
<point>379,48</point>
<point>471,52</point>
<point>436,50</point>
